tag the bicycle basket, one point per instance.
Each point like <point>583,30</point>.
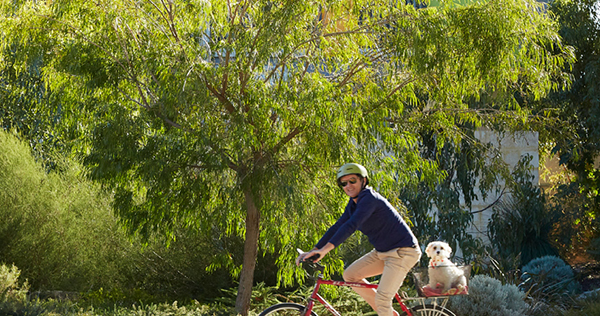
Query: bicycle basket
<point>432,282</point>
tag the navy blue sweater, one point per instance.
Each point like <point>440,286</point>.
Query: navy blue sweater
<point>375,217</point>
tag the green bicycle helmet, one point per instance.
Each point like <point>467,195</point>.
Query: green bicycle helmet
<point>352,168</point>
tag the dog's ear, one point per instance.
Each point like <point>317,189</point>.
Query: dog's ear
<point>449,248</point>
<point>428,249</point>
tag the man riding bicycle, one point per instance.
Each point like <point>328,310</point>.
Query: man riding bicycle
<point>396,247</point>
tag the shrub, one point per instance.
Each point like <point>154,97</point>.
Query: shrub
<point>59,229</point>
<point>12,294</point>
<point>9,284</point>
<point>594,248</point>
<point>14,300</point>
<point>56,226</point>
<point>487,296</point>
<point>521,223</point>
<point>548,277</point>
<point>590,305</point>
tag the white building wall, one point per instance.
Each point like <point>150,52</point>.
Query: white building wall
<point>512,147</point>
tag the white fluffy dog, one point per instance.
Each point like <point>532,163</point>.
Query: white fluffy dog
<point>443,274</point>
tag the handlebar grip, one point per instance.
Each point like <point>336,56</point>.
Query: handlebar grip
<point>316,266</point>
<point>312,258</point>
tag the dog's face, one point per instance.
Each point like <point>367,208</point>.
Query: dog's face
<point>438,249</point>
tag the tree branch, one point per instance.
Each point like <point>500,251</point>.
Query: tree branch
<point>286,139</point>
<point>228,105</point>
<point>396,89</point>
<point>295,49</point>
<point>358,67</point>
<point>493,203</point>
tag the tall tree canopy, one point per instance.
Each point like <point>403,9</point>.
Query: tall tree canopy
<point>579,108</point>
<point>232,116</point>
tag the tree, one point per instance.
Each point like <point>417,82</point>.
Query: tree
<point>471,169</point>
<point>231,117</point>
<point>21,90</point>
<point>578,107</point>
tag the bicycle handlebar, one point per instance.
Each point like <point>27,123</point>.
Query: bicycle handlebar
<point>310,262</point>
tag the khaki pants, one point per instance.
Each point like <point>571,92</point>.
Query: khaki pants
<point>393,266</point>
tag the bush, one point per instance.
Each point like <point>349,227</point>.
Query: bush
<point>12,294</point>
<point>59,229</point>
<point>487,296</point>
<point>521,223</point>
<point>549,277</point>
<point>14,301</point>
<point>594,248</point>
<point>590,305</point>
<point>9,284</point>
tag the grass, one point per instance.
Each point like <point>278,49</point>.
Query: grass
<point>70,308</point>
<point>349,305</point>
<point>15,301</point>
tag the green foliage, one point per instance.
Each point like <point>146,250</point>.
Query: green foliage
<point>462,173</point>
<point>589,306</point>
<point>506,270</point>
<point>580,105</point>
<point>344,299</point>
<point>178,270</point>
<point>549,278</point>
<point>41,115</point>
<point>13,292</point>
<point>59,229</point>
<point>579,109</point>
<point>488,296</point>
<point>21,92</point>
<point>231,118</point>
<point>594,249</point>
<point>521,223</point>
<point>68,308</point>
<point>577,226</point>
<point>14,296</point>
<point>175,310</point>
<point>56,227</point>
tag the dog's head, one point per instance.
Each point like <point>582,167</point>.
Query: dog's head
<point>438,250</point>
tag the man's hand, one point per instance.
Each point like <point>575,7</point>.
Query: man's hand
<point>301,257</point>
<point>316,254</point>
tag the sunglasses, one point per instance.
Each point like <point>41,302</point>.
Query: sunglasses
<point>345,183</point>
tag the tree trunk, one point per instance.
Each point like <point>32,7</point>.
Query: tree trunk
<point>242,302</point>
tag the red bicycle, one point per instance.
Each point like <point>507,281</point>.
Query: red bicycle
<point>410,306</point>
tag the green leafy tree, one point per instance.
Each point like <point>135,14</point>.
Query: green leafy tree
<point>578,107</point>
<point>231,117</point>
<point>471,169</point>
<point>21,92</point>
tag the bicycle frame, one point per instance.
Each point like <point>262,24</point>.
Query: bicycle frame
<point>315,296</point>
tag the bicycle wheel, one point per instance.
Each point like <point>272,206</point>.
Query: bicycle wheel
<point>285,309</point>
<point>429,310</point>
